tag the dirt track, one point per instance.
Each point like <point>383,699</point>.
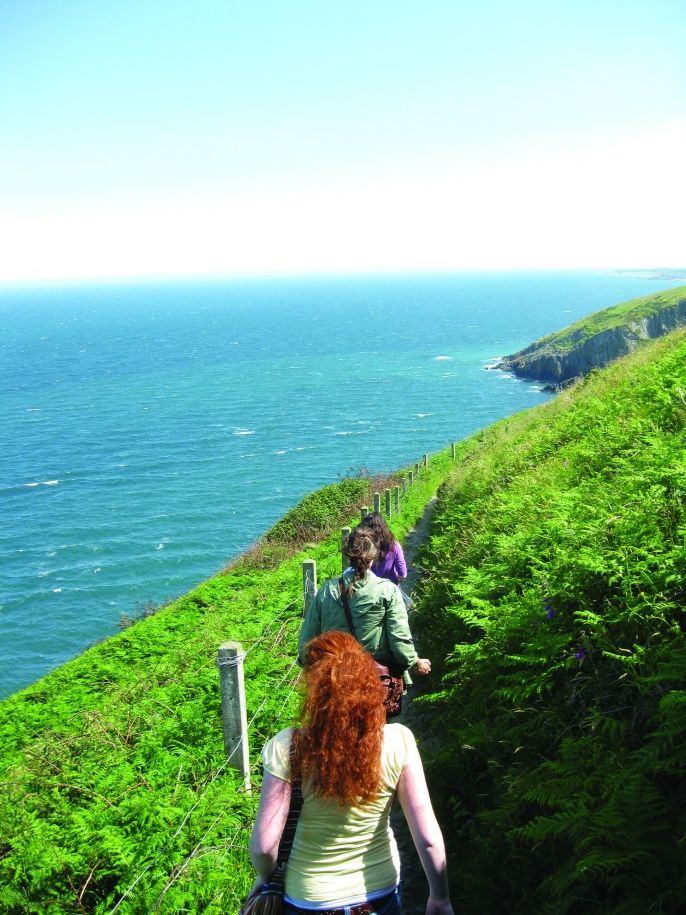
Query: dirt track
<point>414,886</point>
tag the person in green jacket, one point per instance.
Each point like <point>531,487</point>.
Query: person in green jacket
<point>376,606</point>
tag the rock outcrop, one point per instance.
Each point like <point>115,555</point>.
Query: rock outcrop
<point>567,355</point>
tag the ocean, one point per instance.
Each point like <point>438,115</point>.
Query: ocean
<point>151,431</point>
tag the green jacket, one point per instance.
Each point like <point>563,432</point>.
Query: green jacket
<point>378,614</point>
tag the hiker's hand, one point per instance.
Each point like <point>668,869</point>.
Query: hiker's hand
<point>423,666</point>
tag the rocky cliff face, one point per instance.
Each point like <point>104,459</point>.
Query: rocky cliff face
<point>562,360</point>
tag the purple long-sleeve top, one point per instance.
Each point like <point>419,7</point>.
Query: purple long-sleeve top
<point>392,566</point>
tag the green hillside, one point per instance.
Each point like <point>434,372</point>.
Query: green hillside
<point>557,581</point>
<point>625,314</point>
<point>114,789</point>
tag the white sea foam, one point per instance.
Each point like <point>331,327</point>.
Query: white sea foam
<point>281,452</point>
<point>443,358</point>
<point>31,484</point>
<point>245,432</point>
<point>50,482</point>
<point>56,590</point>
<point>422,415</point>
<point>160,546</point>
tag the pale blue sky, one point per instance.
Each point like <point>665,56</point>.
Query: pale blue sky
<point>154,137</point>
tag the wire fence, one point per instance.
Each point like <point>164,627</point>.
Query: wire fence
<point>210,782</point>
<point>309,590</point>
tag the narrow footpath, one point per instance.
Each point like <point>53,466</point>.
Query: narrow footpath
<point>414,887</point>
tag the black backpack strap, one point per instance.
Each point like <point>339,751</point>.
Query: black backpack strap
<point>346,606</point>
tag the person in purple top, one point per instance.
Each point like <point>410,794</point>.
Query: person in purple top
<point>391,561</point>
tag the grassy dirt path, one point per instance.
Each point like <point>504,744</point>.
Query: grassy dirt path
<point>414,887</point>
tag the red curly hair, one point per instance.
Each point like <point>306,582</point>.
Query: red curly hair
<point>342,720</point>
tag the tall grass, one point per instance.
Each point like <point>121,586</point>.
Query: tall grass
<point>556,601</point>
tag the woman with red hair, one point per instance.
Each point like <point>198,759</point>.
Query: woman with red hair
<point>350,764</point>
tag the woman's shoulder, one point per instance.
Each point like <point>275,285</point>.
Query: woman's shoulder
<point>376,581</point>
<point>276,754</point>
<point>398,735</point>
<point>330,587</point>
<point>399,748</point>
<point>388,589</point>
<point>280,743</point>
<point>332,583</point>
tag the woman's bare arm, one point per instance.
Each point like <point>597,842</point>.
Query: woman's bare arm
<point>275,799</point>
<point>426,834</point>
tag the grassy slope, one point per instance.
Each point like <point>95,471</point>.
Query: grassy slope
<point>555,758</point>
<point>110,766</point>
<point>558,570</point>
<point>616,316</point>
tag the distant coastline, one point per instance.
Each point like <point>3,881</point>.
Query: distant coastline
<point>668,274</point>
<point>567,355</point>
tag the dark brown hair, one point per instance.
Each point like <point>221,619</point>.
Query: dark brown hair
<point>375,523</point>
<point>361,550</point>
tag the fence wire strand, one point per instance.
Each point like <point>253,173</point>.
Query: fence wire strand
<point>198,801</point>
<point>194,853</point>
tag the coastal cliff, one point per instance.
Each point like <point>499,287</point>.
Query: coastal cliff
<point>593,342</point>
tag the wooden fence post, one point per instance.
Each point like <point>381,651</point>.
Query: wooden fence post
<point>377,502</point>
<point>364,511</point>
<point>309,583</point>
<point>396,494</point>
<point>452,448</point>
<point>234,714</point>
<point>416,468</point>
<point>426,460</point>
<point>410,477</point>
<point>387,494</point>
<point>344,556</point>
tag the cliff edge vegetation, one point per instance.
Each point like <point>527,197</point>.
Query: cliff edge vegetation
<point>115,794</point>
<point>598,339</point>
<point>553,603</point>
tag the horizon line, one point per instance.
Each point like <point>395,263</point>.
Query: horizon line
<point>649,272</point>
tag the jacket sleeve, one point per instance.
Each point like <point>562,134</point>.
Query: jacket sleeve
<point>399,563</point>
<point>398,632</point>
<point>312,625</point>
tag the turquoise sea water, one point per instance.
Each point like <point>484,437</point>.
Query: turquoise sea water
<point>150,432</point>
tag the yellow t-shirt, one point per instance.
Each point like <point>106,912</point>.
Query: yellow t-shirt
<point>343,854</point>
